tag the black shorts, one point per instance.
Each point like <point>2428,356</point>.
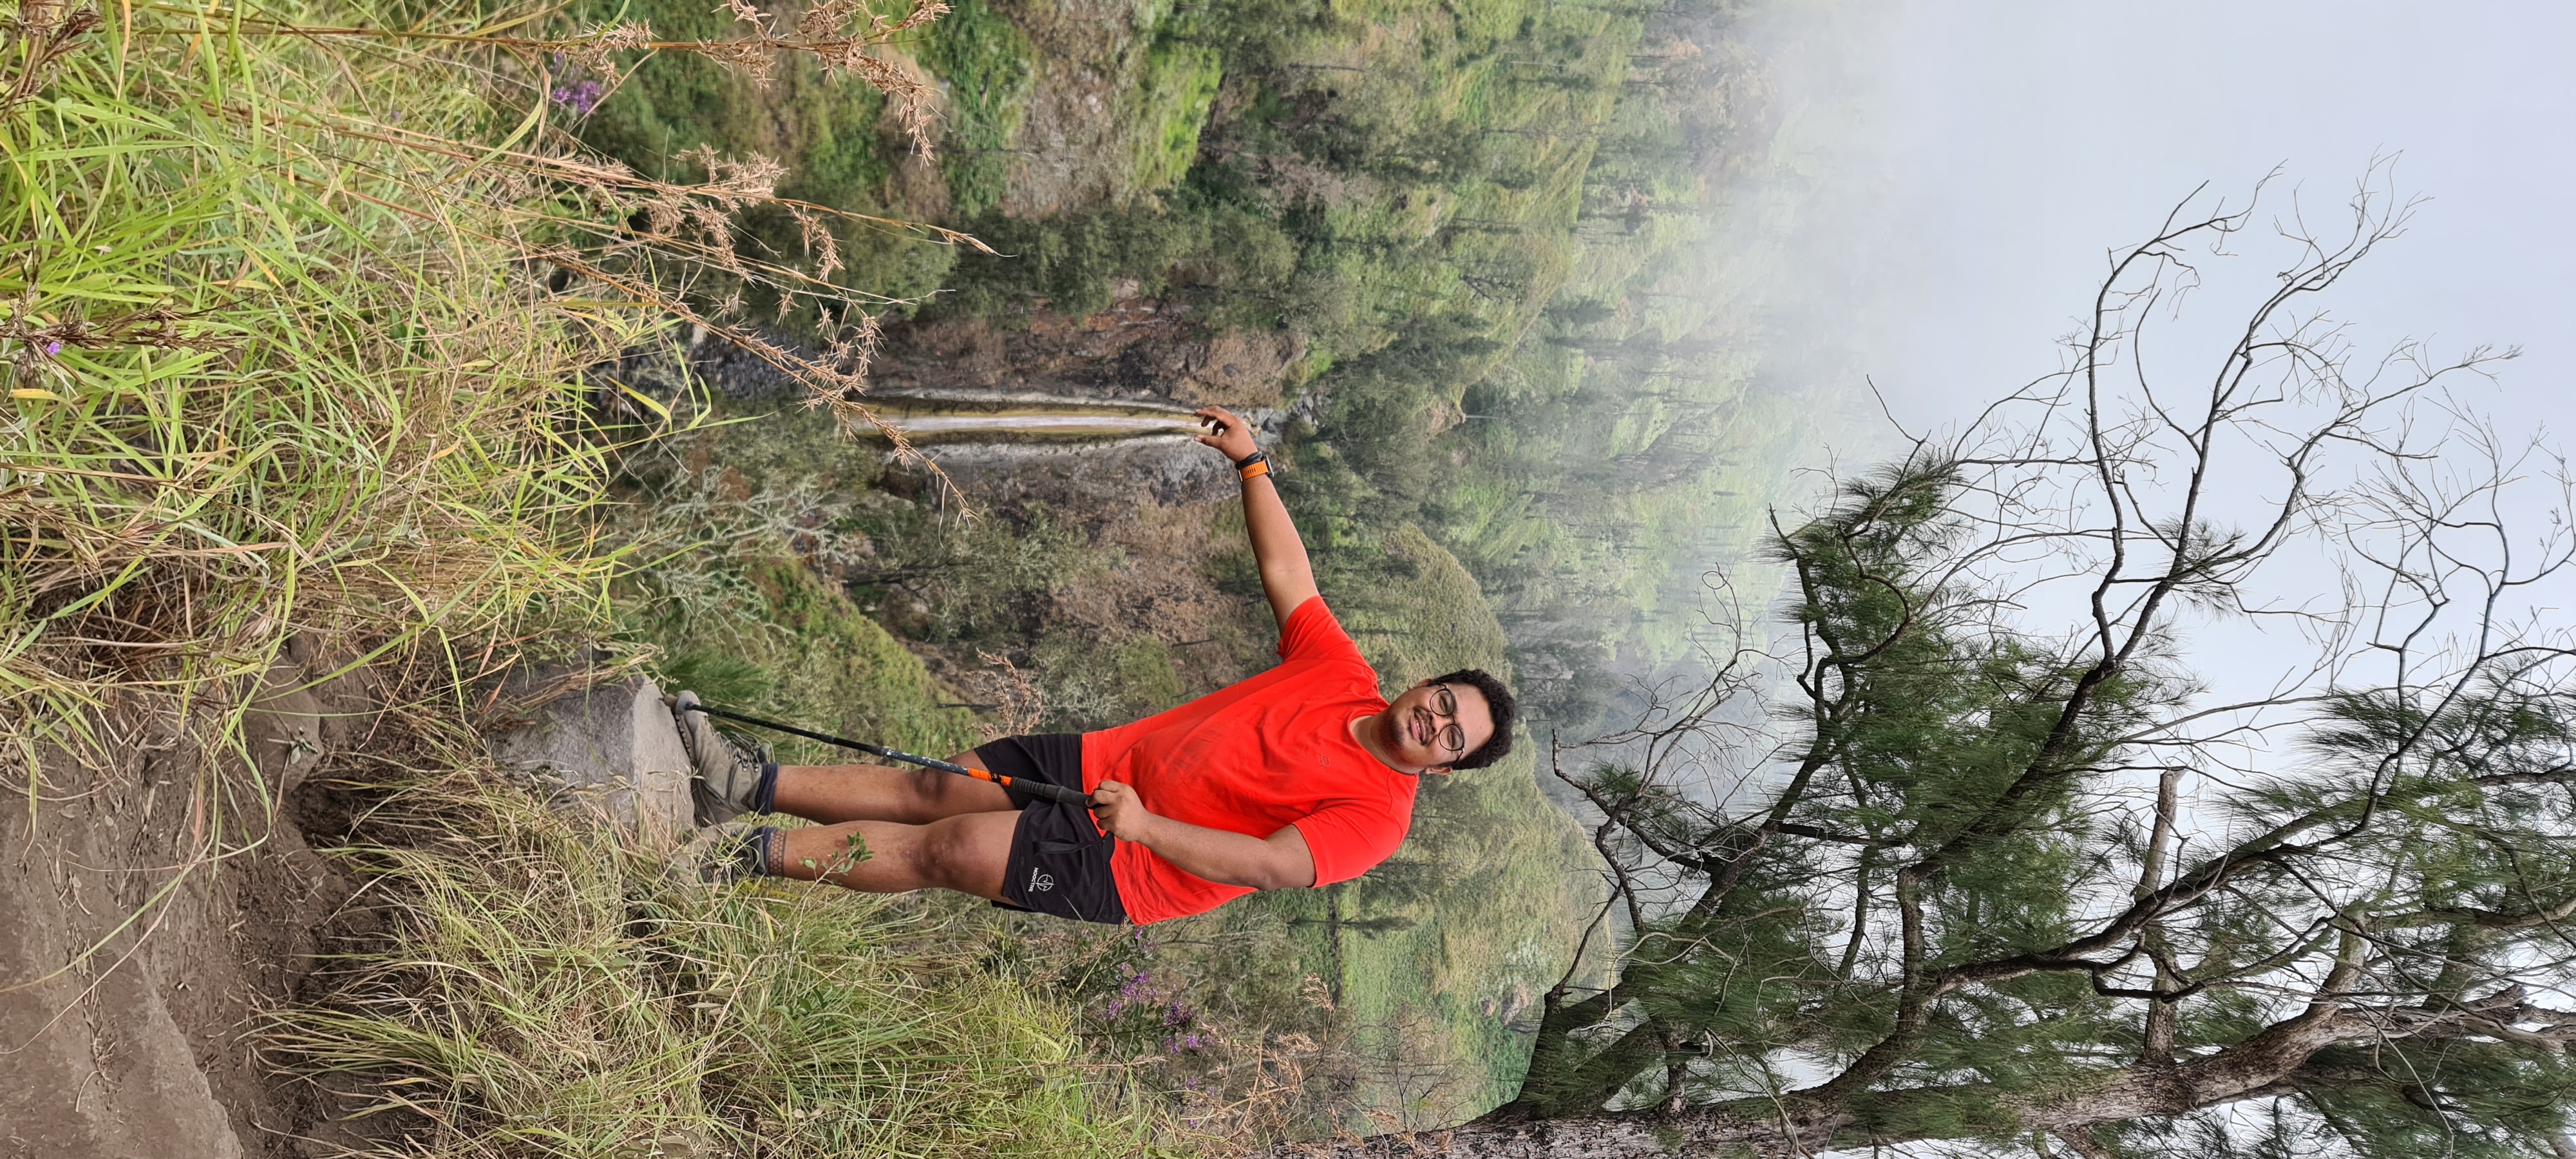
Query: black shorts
<point>1059,858</point>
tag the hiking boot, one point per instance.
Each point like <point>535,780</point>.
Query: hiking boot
<point>725,769</point>
<point>724,854</point>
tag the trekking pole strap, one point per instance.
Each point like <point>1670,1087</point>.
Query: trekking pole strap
<point>1056,793</point>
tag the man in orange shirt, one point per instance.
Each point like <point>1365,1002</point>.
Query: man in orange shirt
<point>1300,776</point>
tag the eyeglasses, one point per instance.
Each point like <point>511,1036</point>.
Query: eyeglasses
<point>1444,703</point>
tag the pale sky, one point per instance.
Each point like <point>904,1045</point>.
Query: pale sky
<point>1967,166</point>
<point>1990,153</point>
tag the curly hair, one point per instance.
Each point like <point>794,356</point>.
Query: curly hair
<point>1506,710</point>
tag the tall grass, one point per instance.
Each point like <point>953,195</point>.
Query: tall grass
<point>258,385</point>
<point>295,313</point>
<point>544,988</point>
<point>260,389</point>
<point>298,309</point>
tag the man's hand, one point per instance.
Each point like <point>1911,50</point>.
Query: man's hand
<point>1281,862</point>
<point>1121,813</point>
<point>1228,434</point>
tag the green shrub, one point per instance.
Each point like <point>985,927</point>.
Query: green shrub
<point>986,61</point>
<point>1084,685</point>
<point>1172,100</point>
<point>731,597</point>
<point>1071,263</point>
<point>827,130</point>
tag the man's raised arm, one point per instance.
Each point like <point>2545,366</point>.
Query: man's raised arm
<point>1286,577</point>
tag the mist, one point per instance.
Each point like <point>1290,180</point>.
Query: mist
<point>1948,182</point>
<point>1956,174</point>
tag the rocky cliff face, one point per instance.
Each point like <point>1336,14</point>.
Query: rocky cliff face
<point>1138,350</point>
<point>1137,357</point>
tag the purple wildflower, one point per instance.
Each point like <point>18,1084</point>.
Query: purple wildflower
<point>55,347</point>
<point>1192,1041</point>
<point>581,96</point>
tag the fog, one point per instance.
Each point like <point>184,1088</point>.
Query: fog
<point>1950,179</point>
<point>1971,165</point>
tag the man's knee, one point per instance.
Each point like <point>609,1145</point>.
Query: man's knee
<point>962,853</point>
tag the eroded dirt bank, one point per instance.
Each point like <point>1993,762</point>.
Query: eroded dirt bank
<point>152,903</point>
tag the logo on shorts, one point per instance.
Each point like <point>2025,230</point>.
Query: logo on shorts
<point>1040,882</point>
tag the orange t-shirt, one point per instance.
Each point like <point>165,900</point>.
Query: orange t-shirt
<point>1267,753</point>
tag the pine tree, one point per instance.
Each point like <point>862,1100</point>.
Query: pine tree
<point>1980,875</point>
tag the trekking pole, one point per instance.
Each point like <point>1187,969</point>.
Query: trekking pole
<point>1056,793</point>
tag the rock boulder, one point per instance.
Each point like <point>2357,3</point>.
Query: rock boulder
<point>614,751</point>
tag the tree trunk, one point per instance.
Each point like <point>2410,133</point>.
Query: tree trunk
<point>2262,1066</point>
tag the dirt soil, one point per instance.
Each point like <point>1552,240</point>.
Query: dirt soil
<point>133,966</point>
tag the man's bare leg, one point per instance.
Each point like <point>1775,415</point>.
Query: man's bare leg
<point>837,793</point>
<point>966,853</point>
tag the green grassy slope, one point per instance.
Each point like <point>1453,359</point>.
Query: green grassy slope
<point>736,519</point>
<point>1497,932</point>
<point>985,62</point>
